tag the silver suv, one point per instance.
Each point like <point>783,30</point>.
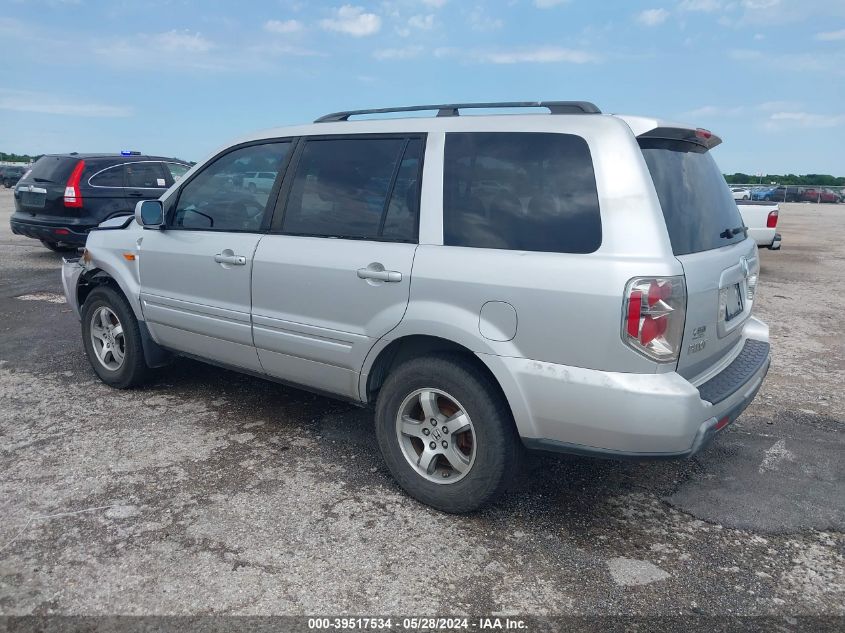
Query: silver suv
<point>566,281</point>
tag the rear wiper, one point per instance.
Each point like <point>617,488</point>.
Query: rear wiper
<point>729,233</point>
<point>37,179</point>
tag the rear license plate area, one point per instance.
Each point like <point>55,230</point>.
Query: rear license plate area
<point>734,304</point>
<point>33,199</point>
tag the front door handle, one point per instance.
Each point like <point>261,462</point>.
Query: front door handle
<point>378,273</point>
<point>135,194</point>
<point>226,258</point>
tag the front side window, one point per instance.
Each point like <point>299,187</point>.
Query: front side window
<point>111,177</point>
<point>224,195</point>
<point>520,191</point>
<point>347,188</point>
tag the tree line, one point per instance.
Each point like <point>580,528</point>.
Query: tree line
<point>18,158</point>
<point>822,180</point>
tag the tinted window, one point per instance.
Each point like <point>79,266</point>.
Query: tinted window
<point>699,209</point>
<point>111,177</point>
<point>177,170</point>
<point>401,220</point>
<point>52,169</point>
<point>520,191</point>
<point>144,176</point>
<point>219,197</point>
<point>342,186</point>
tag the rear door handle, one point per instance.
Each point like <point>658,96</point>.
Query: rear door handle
<point>391,276</point>
<point>234,260</point>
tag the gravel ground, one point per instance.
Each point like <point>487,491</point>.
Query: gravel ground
<point>211,492</point>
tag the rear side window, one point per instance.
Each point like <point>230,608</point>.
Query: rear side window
<point>520,191</point>
<point>355,188</point>
<point>111,177</point>
<point>177,170</point>
<point>144,176</point>
<point>700,211</point>
<point>53,169</point>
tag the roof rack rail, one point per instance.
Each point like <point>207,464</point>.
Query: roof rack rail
<point>451,109</point>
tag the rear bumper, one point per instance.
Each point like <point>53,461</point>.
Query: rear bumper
<point>619,415</point>
<point>763,237</point>
<point>50,231</point>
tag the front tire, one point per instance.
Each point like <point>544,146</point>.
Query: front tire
<point>446,433</point>
<point>112,339</point>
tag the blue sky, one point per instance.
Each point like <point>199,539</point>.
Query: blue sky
<point>182,77</point>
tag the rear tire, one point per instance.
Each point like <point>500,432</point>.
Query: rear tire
<point>58,247</point>
<point>112,339</point>
<point>461,397</point>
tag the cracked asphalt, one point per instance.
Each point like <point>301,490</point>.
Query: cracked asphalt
<point>209,492</point>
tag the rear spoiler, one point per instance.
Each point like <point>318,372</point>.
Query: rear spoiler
<point>699,136</point>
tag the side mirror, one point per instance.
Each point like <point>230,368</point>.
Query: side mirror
<point>149,213</point>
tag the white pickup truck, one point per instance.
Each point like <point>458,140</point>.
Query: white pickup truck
<point>761,218</point>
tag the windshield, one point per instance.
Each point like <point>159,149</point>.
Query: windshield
<point>699,209</point>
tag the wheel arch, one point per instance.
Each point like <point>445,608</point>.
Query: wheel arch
<point>384,358</point>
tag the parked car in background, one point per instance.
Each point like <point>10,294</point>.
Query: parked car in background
<point>828,195</point>
<point>762,193</point>
<point>10,175</point>
<point>788,193</point>
<point>64,196</point>
<point>258,181</point>
<point>819,195</point>
<point>761,218</point>
<point>741,193</point>
<point>387,270</point>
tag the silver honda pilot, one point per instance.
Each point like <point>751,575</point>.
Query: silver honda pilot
<point>561,280</point>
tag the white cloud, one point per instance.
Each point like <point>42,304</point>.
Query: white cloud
<point>541,55</point>
<point>352,21</point>
<point>49,103</point>
<point>713,112</point>
<point>422,22</point>
<point>804,119</point>
<point>549,4</point>
<point>181,42</point>
<point>652,17</point>
<point>407,52</point>
<point>759,5</point>
<point>480,21</point>
<point>704,6</point>
<point>283,26</point>
<point>831,36</point>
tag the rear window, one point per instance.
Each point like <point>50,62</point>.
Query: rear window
<point>698,207</point>
<point>52,169</point>
<point>520,191</point>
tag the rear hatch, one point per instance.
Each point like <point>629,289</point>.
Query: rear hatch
<point>709,239</point>
<point>41,193</point>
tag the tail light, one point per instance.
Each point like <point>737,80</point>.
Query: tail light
<point>772,220</point>
<point>73,195</point>
<point>753,277</point>
<point>653,317</point>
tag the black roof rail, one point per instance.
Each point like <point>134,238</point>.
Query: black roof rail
<point>451,109</point>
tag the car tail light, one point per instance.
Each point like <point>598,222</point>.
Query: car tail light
<point>653,317</point>
<point>772,220</point>
<point>751,280</point>
<point>73,196</point>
